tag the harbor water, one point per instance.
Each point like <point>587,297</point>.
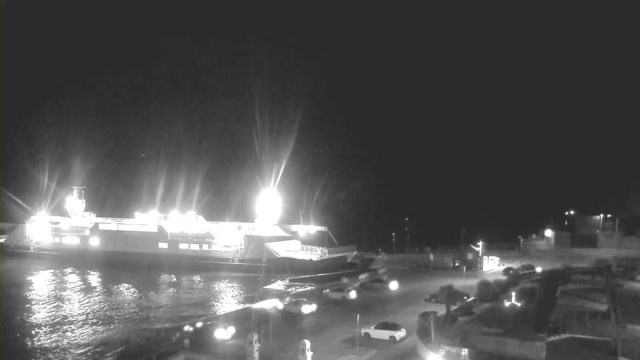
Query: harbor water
<point>51,310</point>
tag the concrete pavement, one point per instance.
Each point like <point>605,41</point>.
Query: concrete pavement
<point>332,331</point>
<point>333,327</point>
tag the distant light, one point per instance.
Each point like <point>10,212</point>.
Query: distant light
<point>94,241</point>
<point>572,212</point>
<point>566,213</point>
<point>538,269</point>
<point>601,215</point>
<point>269,207</point>
<point>609,215</point>
<point>434,356</point>
<point>548,233</point>
<point>199,324</point>
<point>187,328</point>
<point>394,285</point>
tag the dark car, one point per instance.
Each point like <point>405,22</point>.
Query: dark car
<point>456,297</point>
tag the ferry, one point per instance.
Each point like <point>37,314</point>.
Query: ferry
<point>179,239</point>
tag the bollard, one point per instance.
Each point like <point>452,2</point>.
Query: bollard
<point>253,346</point>
<point>305,350</point>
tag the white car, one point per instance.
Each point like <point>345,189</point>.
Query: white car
<point>300,306</point>
<point>340,293</point>
<point>385,331</point>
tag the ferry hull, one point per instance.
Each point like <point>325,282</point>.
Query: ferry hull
<point>173,261</point>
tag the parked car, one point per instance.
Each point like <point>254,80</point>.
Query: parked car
<point>300,306</point>
<point>380,284</point>
<point>340,293</point>
<point>385,331</point>
<point>456,297</point>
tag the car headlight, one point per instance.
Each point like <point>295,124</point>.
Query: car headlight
<point>187,328</point>
<point>224,333</point>
<point>394,285</point>
<point>220,334</point>
<point>231,330</point>
<point>308,308</point>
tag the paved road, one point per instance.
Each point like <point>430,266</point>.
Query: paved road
<point>332,329</point>
<point>332,332</point>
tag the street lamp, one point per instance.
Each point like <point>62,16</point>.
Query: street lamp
<point>269,207</point>
<point>568,213</point>
<point>479,250</point>
<point>548,233</point>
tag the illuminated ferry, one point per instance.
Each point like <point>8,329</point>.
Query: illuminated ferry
<point>187,239</point>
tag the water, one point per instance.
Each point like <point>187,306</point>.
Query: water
<point>54,311</point>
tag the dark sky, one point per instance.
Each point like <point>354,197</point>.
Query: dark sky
<point>496,119</point>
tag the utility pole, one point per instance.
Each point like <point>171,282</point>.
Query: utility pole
<point>406,229</point>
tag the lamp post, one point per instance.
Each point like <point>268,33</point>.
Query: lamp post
<point>393,241</point>
<point>357,334</point>
<point>567,214</point>
<point>550,235</point>
<point>479,250</point>
<point>407,239</point>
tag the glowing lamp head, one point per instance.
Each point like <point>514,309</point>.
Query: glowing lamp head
<point>548,233</point>
<point>269,206</point>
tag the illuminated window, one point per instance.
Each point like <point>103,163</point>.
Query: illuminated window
<point>164,245</point>
<point>184,246</point>
<point>94,241</point>
<point>194,246</point>
<point>205,246</point>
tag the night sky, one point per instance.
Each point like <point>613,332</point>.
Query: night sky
<point>495,119</point>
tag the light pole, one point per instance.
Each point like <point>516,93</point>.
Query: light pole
<point>479,250</point>
<point>406,229</point>
<point>393,241</point>
<point>601,217</point>
<point>567,214</point>
<point>357,334</point>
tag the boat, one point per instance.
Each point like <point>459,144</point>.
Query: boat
<point>179,240</point>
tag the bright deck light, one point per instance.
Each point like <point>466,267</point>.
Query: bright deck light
<point>269,207</point>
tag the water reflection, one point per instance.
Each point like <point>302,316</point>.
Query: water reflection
<point>86,313</point>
